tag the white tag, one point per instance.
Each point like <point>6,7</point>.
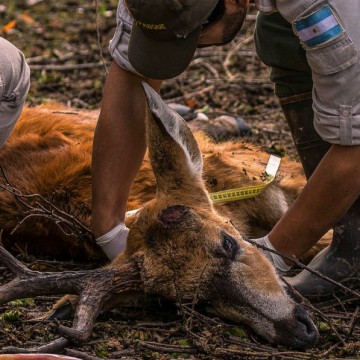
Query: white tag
<point>273,165</point>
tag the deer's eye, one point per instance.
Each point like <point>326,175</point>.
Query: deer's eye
<point>230,246</point>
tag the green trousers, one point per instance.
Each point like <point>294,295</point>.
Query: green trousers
<point>279,48</point>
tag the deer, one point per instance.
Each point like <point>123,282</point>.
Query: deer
<point>181,245</point>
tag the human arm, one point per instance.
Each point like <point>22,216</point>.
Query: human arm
<point>329,193</point>
<point>119,147</point>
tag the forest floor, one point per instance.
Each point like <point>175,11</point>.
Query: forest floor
<point>65,43</point>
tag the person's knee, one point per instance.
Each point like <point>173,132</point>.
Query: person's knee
<point>14,74</point>
<point>14,86</point>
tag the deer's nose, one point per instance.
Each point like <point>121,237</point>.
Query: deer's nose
<point>306,328</point>
<point>298,332</point>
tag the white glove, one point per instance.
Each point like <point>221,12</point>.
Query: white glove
<point>277,260</point>
<point>114,241</point>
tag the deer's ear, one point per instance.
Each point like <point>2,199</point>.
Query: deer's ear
<point>174,153</point>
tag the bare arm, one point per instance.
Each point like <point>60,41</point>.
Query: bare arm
<point>329,193</point>
<point>119,147</point>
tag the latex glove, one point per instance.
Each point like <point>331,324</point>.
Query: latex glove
<point>114,241</point>
<point>277,260</point>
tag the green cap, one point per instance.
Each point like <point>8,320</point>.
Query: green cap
<point>165,34</point>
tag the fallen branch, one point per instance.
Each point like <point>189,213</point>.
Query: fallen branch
<point>66,67</point>
<point>307,304</point>
<point>302,266</point>
<point>168,348</point>
<point>46,209</point>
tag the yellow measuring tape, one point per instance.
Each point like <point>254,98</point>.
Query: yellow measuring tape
<point>243,192</point>
<point>249,191</point>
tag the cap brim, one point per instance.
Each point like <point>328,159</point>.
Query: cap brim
<point>161,59</point>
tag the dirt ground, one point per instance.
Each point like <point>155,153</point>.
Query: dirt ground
<point>65,43</point>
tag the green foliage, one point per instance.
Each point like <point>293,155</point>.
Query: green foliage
<point>22,302</point>
<point>11,316</point>
<point>176,355</point>
<point>102,350</point>
<point>323,327</point>
<point>206,109</point>
<point>150,355</point>
<point>184,342</point>
<point>236,331</point>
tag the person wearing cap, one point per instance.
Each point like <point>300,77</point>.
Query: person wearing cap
<point>154,40</point>
<point>14,86</point>
<point>312,48</point>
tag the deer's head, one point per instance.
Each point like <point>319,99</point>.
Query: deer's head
<point>191,252</point>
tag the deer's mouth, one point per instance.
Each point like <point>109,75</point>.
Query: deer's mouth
<point>272,314</point>
<point>298,332</point>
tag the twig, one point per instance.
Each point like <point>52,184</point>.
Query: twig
<point>200,316</point>
<point>53,347</point>
<point>231,53</point>
<point>301,265</point>
<point>241,353</point>
<point>235,340</point>
<point>340,303</point>
<point>156,324</point>
<point>66,67</point>
<point>354,319</point>
<point>168,348</point>
<point>315,310</point>
<point>50,211</point>
<point>99,37</point>
<point>194,93</point>
<point>328,351</point>
<point>80,354</point>
<point>207,65</point>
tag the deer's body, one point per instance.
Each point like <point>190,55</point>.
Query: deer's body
<point>49,153</point>
<point>180,245</point>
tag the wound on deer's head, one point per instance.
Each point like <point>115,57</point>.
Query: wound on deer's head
<point>174,215</point>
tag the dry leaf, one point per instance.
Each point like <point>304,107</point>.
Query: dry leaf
<point>8,27</point>
<point>27,18</point>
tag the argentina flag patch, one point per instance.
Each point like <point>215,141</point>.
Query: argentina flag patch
<point>318,28</point>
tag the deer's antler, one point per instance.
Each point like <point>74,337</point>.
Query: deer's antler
<point>94,287</point>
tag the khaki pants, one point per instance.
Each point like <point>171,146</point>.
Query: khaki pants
<point>14,86</point>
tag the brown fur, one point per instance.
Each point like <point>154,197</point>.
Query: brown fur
<point>49,153</point>
<point>184,246</point>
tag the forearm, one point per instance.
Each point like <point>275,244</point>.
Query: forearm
<point>119,148</point>
<point>329,193</point>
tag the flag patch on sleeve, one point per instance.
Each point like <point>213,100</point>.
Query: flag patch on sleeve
<point>318,28</point>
